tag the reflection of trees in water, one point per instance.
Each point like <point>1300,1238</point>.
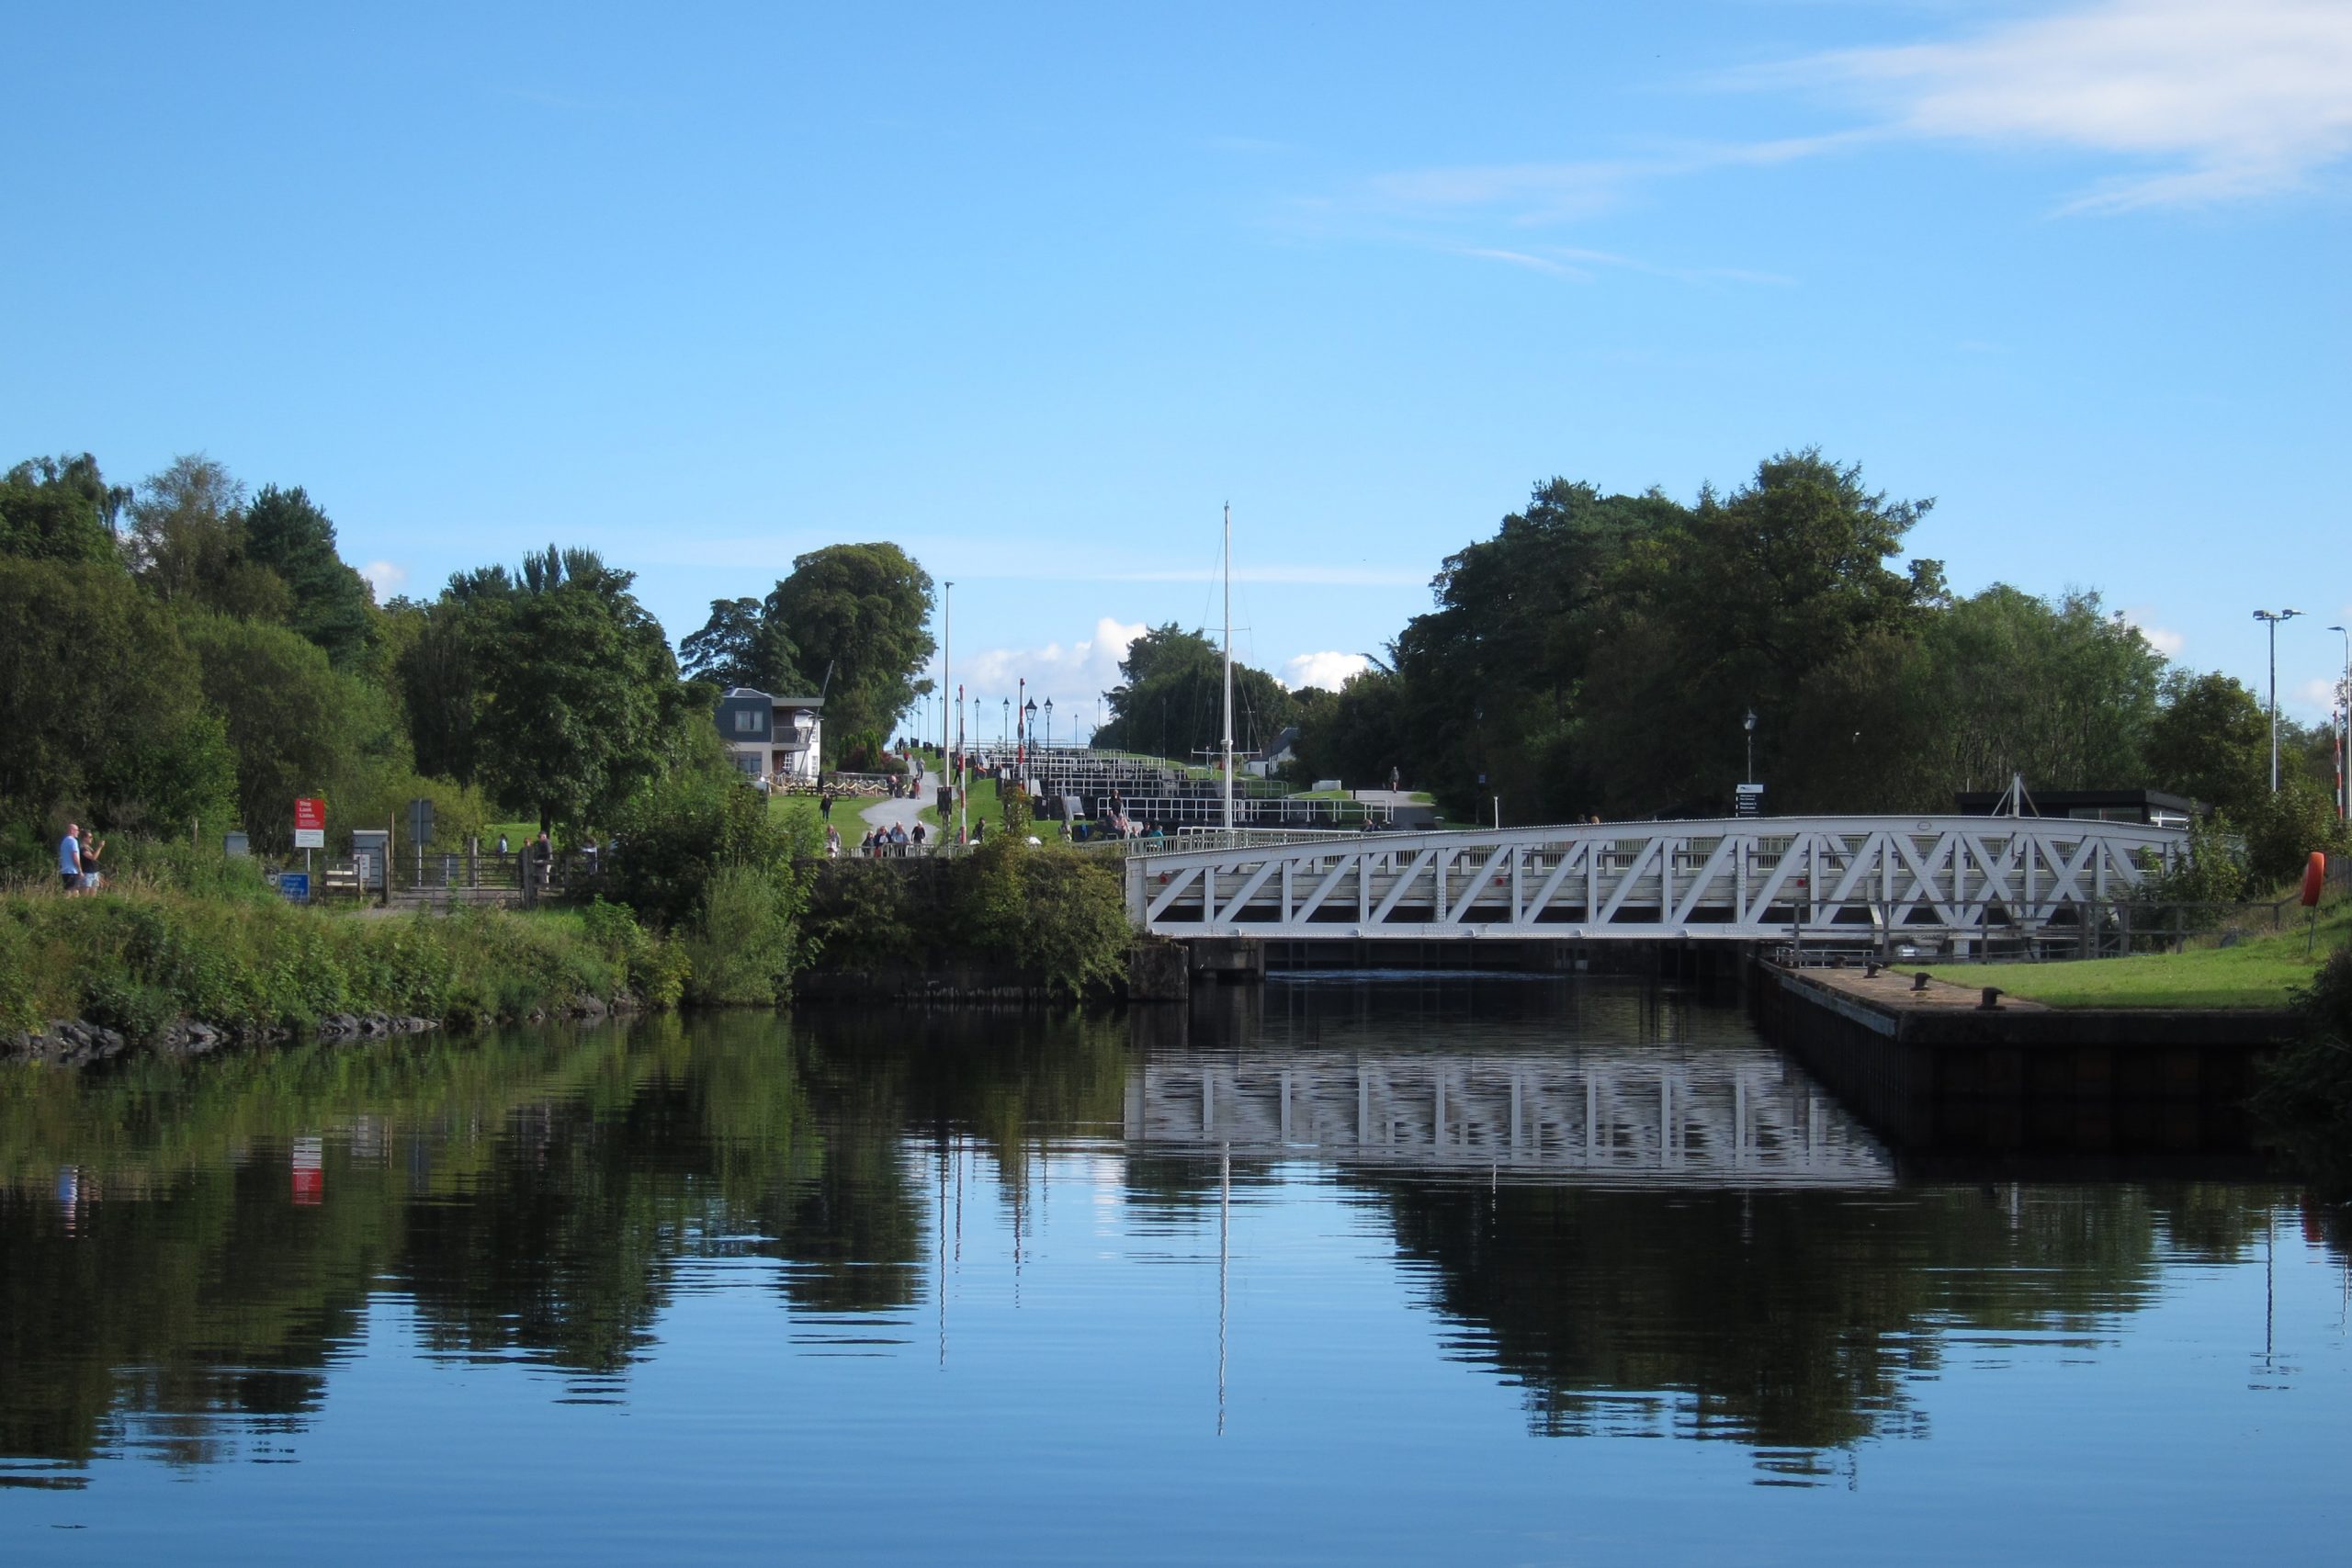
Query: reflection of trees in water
<point>538,1195</point>
<point>1788,1320</point>
<point>533,1195</point>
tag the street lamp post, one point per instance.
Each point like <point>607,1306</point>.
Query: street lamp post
<point>2344,728</point>
<point>1749,724</point>
<point>1049,724</point>
<point>2272,618</point>
<point>1028,732</point>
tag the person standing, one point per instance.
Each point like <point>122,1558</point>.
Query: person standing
<point>825,805</point>
<point>91,848</point>
<point>68,857</point>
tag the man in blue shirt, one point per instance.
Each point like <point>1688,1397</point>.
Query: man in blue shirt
<point>68,857</point>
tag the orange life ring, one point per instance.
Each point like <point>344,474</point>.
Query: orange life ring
<point>2314,878</point>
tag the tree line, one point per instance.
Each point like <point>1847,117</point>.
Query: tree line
<point>189,655</point>
<point>1600,655</point>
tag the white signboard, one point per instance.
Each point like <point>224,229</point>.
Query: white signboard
<point>310,838</point>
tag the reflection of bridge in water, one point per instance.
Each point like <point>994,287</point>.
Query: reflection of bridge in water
<point>1707,1116</point>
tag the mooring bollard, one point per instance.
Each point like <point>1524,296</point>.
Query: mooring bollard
<point>1919,981</point>
<point>1870,970</point>
<point>1992,1001</point>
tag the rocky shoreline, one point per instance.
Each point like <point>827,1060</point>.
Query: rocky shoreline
<point>78,1042</point>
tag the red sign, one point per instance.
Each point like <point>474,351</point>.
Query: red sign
<point>310,814</point>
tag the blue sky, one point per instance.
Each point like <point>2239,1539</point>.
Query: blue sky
<point>1034,290</point>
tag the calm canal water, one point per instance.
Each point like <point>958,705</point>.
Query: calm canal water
<point>1445,1270</point>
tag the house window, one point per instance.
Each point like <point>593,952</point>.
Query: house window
<point>747,721</point>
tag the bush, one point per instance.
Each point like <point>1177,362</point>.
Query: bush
<point>676,834</point>
<point>2282,829</point>
<point>742,945</point>
<point>866,914</point>
<point>1074,931</point>
<point>656,967</point>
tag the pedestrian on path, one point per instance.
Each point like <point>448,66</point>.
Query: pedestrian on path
<point>68,857</point>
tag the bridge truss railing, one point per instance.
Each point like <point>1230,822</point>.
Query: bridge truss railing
<point>1777,879</point>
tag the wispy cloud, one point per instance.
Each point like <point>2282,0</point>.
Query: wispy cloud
<point>2199,102</point>
<point>2225,101</point>
<point>1541,193</point>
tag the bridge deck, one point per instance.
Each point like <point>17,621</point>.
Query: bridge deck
<point>1858,878</point>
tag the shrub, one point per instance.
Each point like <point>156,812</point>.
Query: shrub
<point>1074,929</point>
<point>741,943</point>
<point>866,913</point>
<point>2282,829</point>
<point>656,967</point>
<point>676,834</point>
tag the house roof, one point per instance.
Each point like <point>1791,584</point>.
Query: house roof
<point>767,697</point>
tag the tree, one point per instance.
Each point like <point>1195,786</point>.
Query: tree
<point>443,669</point>
<point>1170,701</point>
<point>2210,741</point>
<point>100,705</point>
<point>858,615</point>
<point>187,542</point>
<point>581,702</point>
<point>739,646</point>
<point>294,726</point>
<point>59,509</point>
<point>285,532</point>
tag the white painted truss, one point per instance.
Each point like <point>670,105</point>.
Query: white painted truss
<point>1740,879</point>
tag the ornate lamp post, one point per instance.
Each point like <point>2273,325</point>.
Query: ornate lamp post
<point>1049,724</point>
<point>1749,724</point>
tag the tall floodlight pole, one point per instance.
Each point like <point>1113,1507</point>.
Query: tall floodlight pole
<point>963,785</point>
<point>1228,667</point>
<point>946,661</point>
<point>2272,618</point>
<point>2344,730</point>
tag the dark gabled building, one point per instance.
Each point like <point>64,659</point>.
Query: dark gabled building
<point>773,738</point>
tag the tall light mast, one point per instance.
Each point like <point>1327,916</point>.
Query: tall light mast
<point>1228,667</point>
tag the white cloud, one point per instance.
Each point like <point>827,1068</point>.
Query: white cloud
<point>1328,671</point>
<point>1073,675</point>
<point>2167,642</point>
<point>385,578</point>
<point>2224,101</point>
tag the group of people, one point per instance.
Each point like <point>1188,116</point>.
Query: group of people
<point>77,860</point>
<point>894,839</point>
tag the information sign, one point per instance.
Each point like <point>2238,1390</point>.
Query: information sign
<point>309,824</point>
<point>294,887</point>
<point>419,822</point>
<point>1751,799</point>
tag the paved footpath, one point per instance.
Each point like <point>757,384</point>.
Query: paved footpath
<point>886,814</point>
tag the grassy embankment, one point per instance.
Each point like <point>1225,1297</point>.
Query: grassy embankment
<point>184,938</point>
<point>2258,972</point>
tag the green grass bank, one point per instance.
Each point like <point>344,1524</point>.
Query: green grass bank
<point>2257,971</point>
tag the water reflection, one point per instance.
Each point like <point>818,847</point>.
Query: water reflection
<point>1615,1200</point>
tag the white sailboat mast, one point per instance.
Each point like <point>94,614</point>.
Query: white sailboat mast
<point>1228,667</point>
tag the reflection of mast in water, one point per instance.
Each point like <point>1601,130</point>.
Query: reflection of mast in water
<point>1224,1257</point>
<point>939,1223</point>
